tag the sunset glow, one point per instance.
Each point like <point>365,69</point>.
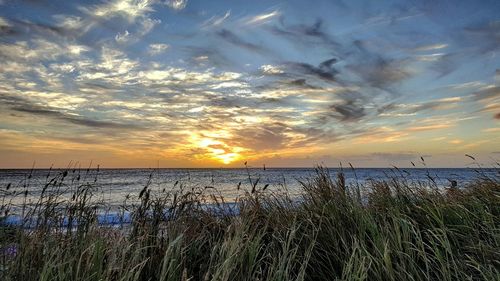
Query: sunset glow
<point>216,149</point>
<point>127,83</point>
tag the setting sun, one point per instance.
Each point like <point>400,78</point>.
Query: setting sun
<point>216,149</point>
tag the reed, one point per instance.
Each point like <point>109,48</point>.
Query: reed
<point>391,229</point>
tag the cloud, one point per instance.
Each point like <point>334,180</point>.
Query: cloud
<point>25,106</point>
<point>70,22</point>
<point>234,39</point>
<point>112,66</point>
<point>324,70</point>
<point>441,104</point>
<point>431,47</point>
<point>379,72</point>
<point>491,130</point>
<point>487,93</point>
<point>271,69</point>
<point>39,49</point>
<point>380,134</point>
<point>395,156</point>
<point>27,27</point>
<point>4,22</point>
<point>305,34</point>
<point>488,33</point>
<point>429,127</point>
<point>445,64</point>
<point>157,48</point>
<point>207,55</point>
<point>348,111</point>
<point>302,83</point>
<point>216,21</point>
<point>282,82</point>
<point>144,27</point>
<point>261,138</point>
<point>122,37</point>
<point>455,141</point>
<point>128,9</point>
<point>176,4</point>
<point>147,25</point>
<point>262,18</point>
<point>5,27</point>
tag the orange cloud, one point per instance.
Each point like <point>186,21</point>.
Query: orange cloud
<point>429,127</point>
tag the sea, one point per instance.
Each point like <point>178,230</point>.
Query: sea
<point>116,190</point>
<point>114,186</point>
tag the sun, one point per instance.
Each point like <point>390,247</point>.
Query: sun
<point>217,150</point>
<point>228,158</point>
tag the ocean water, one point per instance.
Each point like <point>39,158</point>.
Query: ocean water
<point>114,188</point>
<point>115,185</point>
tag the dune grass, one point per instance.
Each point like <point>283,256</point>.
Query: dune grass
<point>389,230</point>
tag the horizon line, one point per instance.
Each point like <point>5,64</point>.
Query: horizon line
<point>236,168</point>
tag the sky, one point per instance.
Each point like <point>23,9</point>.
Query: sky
<point>187,83</point>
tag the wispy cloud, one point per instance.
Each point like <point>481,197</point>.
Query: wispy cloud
<point>176,4</point>
<point>489,92</point>
<point>305,34</point>
<point>157,48</point>
<point>216,21</point>
<point>122,37</point>
<point>236,40</point>
<point>129,9</point>
<point>429,127</point>
<point>262,18</point>
<point>431,47</point>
